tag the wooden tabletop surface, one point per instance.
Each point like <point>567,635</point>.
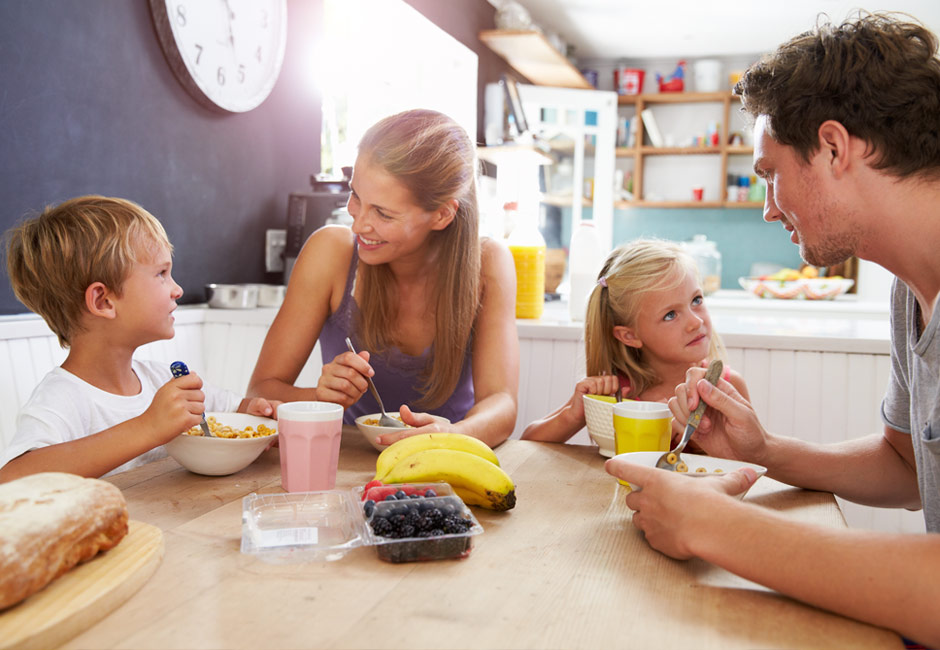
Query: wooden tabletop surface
<point>564,569</point>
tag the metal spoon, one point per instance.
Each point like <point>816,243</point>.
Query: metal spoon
<point>178,368</point>
<point>385,420</point>
<point>670,459</point>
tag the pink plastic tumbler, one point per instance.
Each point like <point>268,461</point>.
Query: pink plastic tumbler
<point>309,435</point>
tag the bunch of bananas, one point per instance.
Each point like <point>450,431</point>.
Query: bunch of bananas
<point>467,463</point>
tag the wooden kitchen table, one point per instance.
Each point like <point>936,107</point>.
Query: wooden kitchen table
<point>564,569</point>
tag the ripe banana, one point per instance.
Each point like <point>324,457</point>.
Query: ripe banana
<point>413,444</point>
<point>477,481</point>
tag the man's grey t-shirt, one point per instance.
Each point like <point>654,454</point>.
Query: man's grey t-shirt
<point>912,401</point>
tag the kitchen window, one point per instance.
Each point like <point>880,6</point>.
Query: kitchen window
<point>380,57</point>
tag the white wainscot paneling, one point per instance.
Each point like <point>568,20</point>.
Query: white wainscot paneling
<point>222,346</point>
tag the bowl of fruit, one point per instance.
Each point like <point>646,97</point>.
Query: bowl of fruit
<point>792,284</point>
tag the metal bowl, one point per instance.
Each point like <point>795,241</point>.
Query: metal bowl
<point>232,296</point>
<point>271,295</point>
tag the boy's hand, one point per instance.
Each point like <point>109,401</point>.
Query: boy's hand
<point>260,406</point>
<point>177,406</point>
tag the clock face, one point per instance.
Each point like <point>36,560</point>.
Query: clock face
<point>226,53</point>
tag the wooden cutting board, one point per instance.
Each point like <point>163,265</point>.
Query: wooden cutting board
<point>84,595</point>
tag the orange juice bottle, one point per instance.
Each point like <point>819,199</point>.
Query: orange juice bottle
<point>528,253</point>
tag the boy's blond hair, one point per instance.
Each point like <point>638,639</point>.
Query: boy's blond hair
<point>54,257</point>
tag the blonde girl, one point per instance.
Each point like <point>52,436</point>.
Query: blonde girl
<point>428,305</point>
<point>646,325</point>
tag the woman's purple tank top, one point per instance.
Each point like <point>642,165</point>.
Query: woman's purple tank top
<point>397,375</point>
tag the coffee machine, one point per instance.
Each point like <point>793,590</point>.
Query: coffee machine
<point>307,211</point>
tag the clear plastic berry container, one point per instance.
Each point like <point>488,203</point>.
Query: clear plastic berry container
<point>325,526</point>
<point>425,521</point>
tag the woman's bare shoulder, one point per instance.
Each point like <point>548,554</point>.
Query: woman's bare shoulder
<point>494,255</point>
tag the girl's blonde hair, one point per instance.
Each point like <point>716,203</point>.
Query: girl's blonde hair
<point>54,257</point>
<point>630,271</point>
<point>433,157</point>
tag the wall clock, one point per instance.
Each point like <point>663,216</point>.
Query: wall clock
<point>226,53</point>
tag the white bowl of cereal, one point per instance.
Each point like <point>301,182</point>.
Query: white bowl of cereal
<point>239,439</point>
<point>697,465</point>
<point>369,426</point>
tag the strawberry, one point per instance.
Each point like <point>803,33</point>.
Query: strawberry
<point>369,486</point>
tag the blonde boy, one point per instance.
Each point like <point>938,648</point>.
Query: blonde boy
<point>97,269</point>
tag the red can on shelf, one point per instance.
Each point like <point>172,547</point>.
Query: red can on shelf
<point>628,81</point>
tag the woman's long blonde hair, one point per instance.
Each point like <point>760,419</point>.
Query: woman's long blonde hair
<point>630,271</point>
<point>433,157</point>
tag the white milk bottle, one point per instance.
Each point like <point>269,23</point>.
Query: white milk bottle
<point>585,259</point>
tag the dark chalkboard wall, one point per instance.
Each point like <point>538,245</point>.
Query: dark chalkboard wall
<point>88,104</point>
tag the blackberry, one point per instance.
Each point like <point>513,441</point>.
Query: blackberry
<point>407,531</point>
<point>435,516</point>
<point>437,532</point>
<point>412,519</point>
<point>381,526</point>
<point>454,525</point>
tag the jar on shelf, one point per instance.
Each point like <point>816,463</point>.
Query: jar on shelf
<point>708,259</point>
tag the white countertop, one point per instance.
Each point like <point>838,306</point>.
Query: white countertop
<point>745,321</point>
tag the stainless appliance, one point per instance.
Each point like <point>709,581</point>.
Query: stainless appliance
<point>307,211</point>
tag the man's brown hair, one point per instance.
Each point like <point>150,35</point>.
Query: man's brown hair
<point>876,75</point>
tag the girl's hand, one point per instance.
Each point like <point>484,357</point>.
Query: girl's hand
<point>417,422</point>
<point>598,385</point>
<point>343,380</point>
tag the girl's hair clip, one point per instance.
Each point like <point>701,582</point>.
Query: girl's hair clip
<point>602,281</point>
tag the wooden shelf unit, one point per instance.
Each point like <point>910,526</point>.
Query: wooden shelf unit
<point>641,151</point>
<point>532,56</point>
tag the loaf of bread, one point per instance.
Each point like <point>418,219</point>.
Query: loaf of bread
<point>50,522</point>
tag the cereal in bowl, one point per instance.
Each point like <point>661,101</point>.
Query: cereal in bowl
<point>220,430</point>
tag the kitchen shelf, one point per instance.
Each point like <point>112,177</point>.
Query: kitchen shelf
<point>532,56</point>
<point>642,151</point>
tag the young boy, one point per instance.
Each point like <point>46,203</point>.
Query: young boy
<point>97,269</point>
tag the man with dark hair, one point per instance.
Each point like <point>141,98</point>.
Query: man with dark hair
<point>847,137</point>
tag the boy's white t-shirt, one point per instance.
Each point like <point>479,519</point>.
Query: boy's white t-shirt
<point>63,408</point>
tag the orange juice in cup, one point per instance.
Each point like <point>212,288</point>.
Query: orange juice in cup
<point>641,426</point>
